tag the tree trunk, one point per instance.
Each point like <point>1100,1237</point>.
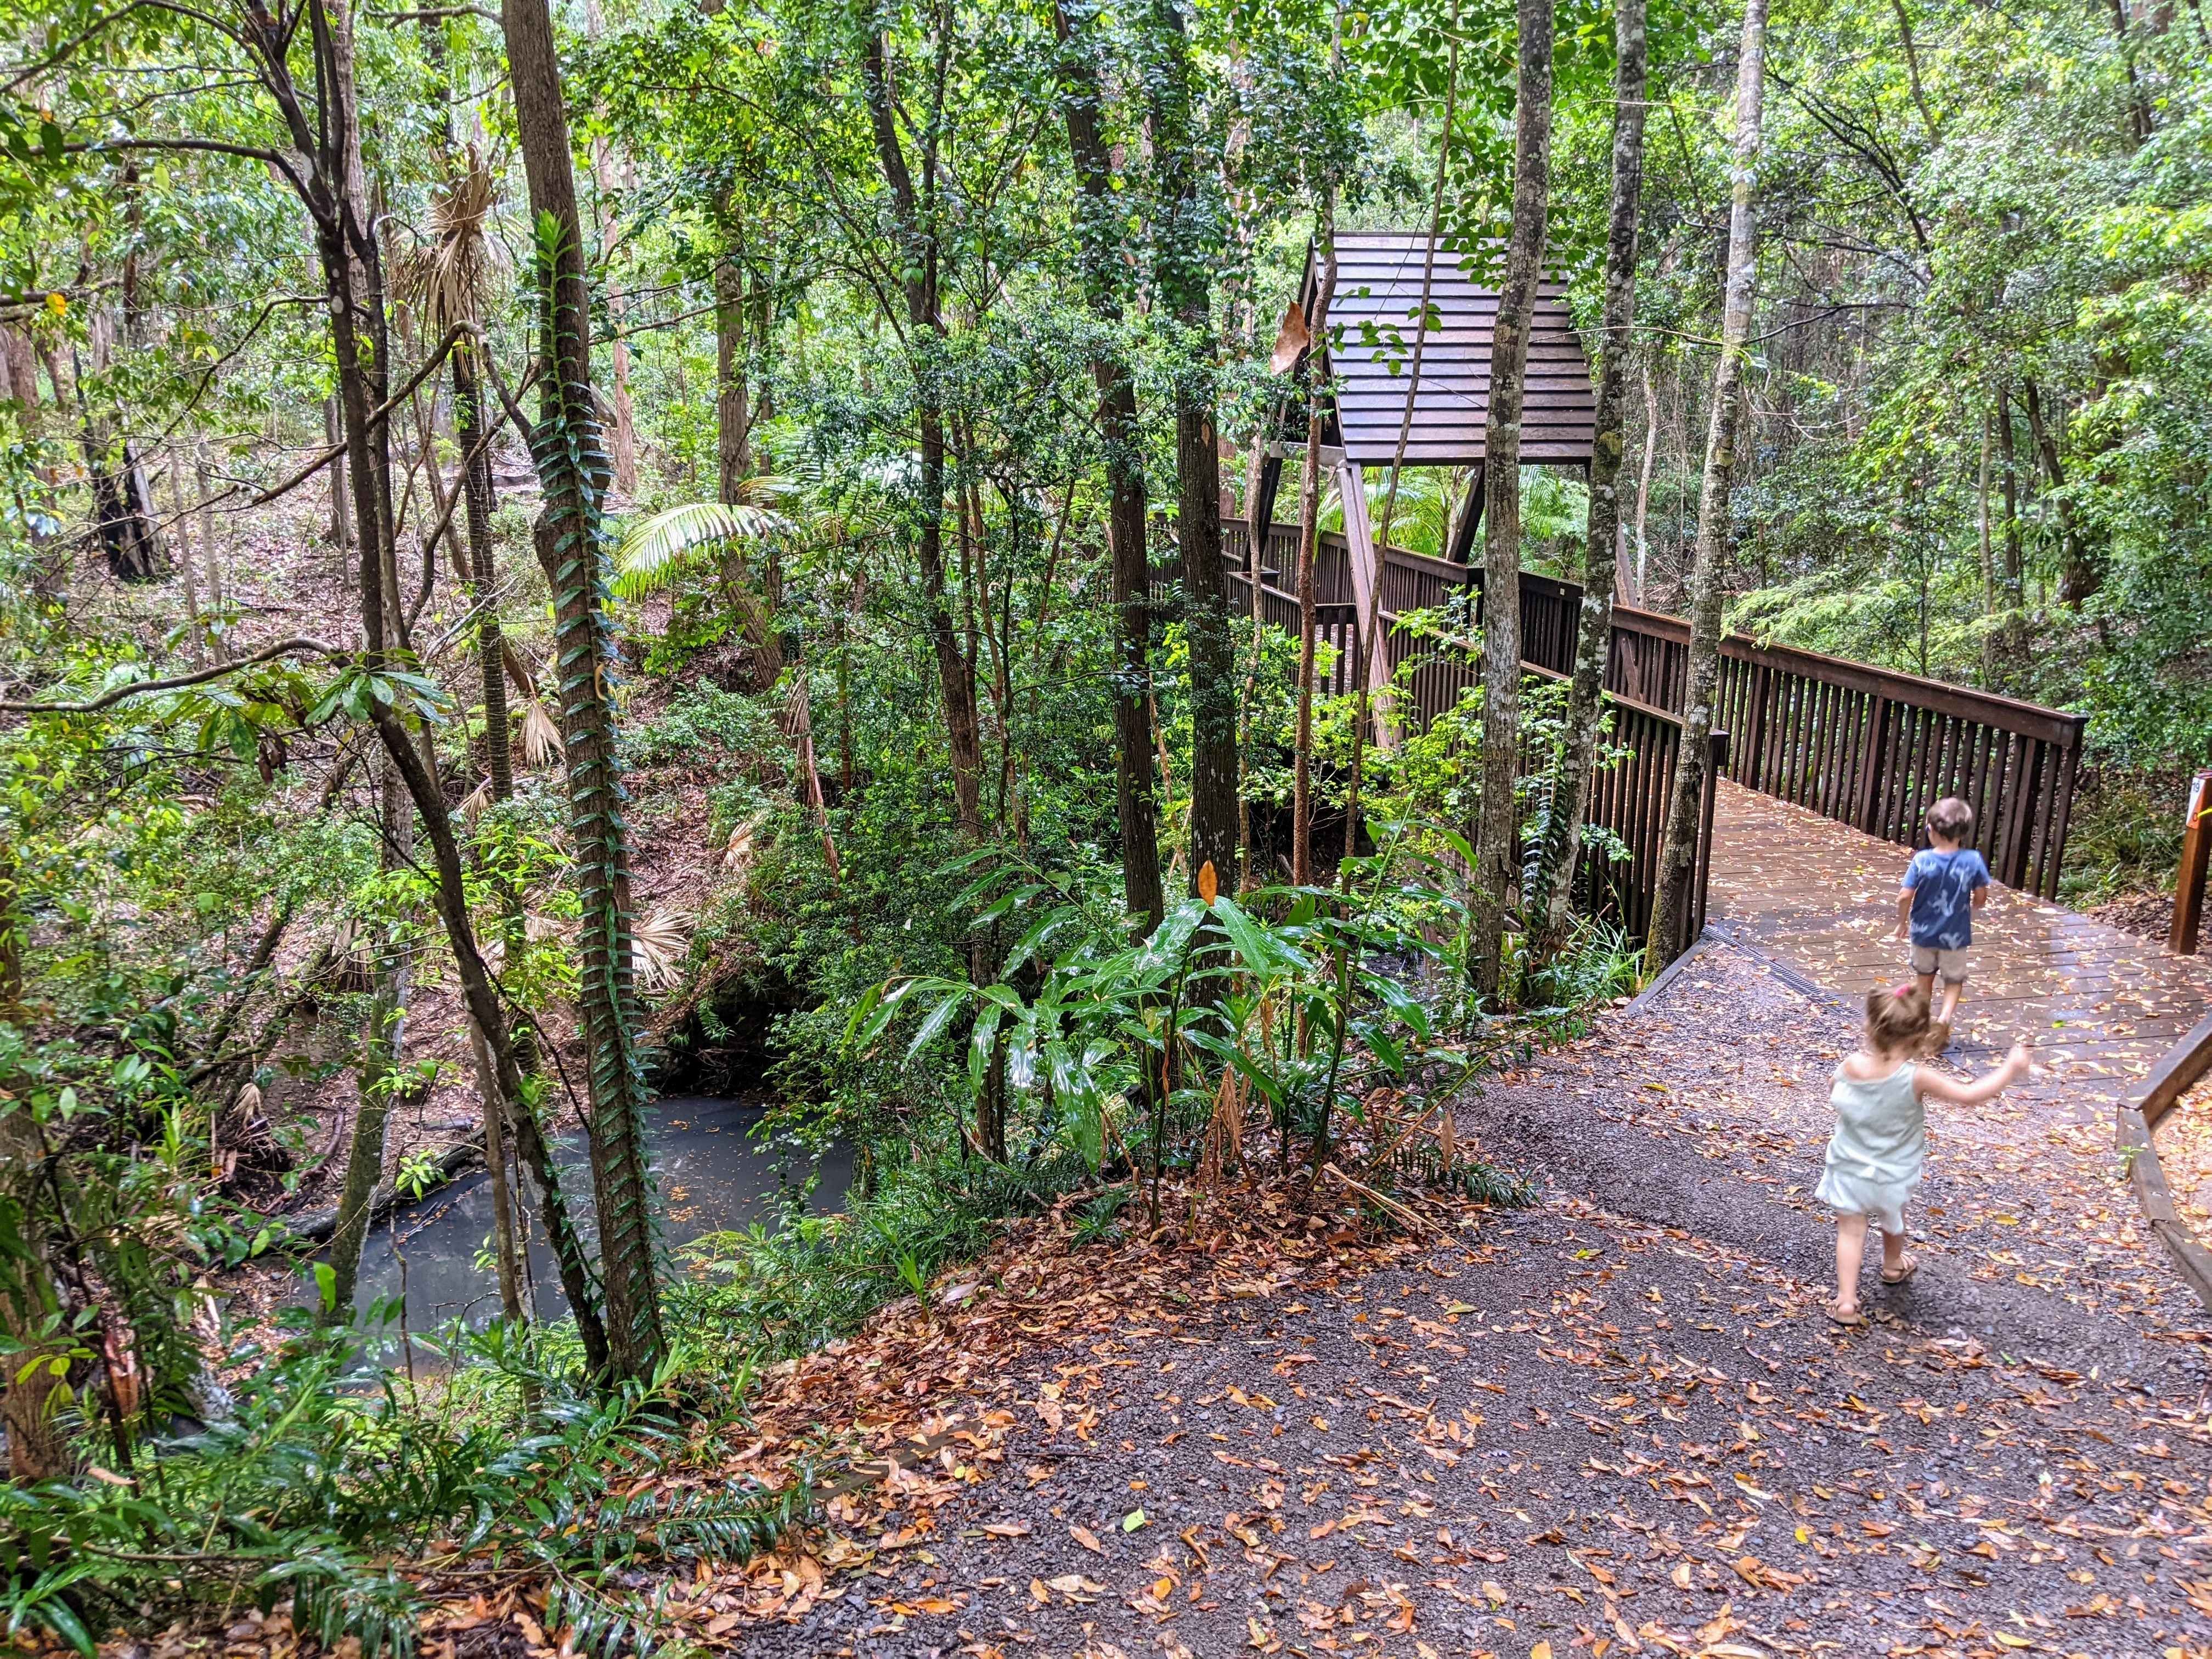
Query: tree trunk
<point>2012,634</point>
<point>196,642</point>
<point>477,496</point>
<point>382,1045</point>
<point>37,1449</point>
<point>1302,870</point>
<point>210,544</point>
<point>1561,842</point>
<point>1099,239</point>
<point>119,515</point>
<point>1678,853</point>
<point>1497,846</point>
<point>1183,274</point>
<point>918,252</point>
<point>2078,576</point>
<point>571,539</point>
<point>732,424</point>
<point>327,140</point>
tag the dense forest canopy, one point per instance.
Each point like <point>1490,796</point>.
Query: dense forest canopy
<point>553,556</point>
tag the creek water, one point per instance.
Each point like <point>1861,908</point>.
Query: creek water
<point>712,1173</point>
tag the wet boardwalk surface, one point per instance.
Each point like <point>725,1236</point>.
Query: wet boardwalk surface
<point>2096,1007</point>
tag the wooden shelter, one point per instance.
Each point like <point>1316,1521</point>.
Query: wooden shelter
<point>1376,322</point>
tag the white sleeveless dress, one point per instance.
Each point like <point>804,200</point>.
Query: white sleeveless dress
<point>1879,1150</point>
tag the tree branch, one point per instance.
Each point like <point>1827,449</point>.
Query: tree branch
<point>378,413</point>
<point>300,646</point>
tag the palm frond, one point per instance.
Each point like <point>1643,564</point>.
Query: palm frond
<point>450,276</point>
<point>741,841</point>
<point>657,548</point>
<point>541,737</point>
<point>657,948</point>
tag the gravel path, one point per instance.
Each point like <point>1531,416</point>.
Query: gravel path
<point>1614,1423</point>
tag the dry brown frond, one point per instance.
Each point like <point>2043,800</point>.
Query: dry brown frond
<point>741,841</point>
<point>658,946</point>
<point>476,799</point>
<point>541,737</point>
<point>449,277</point>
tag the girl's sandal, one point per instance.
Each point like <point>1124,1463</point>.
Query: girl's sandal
<point>1905,1268</point>
<point>1850,1318</point>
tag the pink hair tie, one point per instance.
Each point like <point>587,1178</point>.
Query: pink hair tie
<point>1902,991</point>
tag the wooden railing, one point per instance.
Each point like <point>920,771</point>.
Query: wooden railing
<point>1870,747</point>
<point>1629,799</point>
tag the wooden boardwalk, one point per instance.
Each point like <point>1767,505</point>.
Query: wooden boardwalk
<point>2096,1007</point>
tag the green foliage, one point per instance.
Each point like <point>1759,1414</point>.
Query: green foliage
<point>323,1470</point>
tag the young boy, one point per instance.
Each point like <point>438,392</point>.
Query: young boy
<point>1942,888</point>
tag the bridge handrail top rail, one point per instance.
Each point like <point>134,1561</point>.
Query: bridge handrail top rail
<point>2027,719</point>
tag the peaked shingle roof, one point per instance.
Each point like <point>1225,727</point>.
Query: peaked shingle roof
<point>1379,291</point>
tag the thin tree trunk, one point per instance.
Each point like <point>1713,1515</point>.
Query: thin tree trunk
<point>732,430</point>
<point>197,643</point>
<point>1099,246</point>
<point>571,546</point>
<point>1678,853</point>
<point>37,1448</point>
<point>1302,870</point>
<point>341,527</point>
<point>1183,275</point>
<point>2012,636</point>
<point>1644,483</point>
<point>328,139</point>
<point>477,497</point>
<point>1990,651</point>
<point>919,250</point>
<point>383,1043</point>
<point>1560,844</point>
<point>1497,844</point>
<point>2078,578</point>
<point>210,546</point>
<point>505,1246</point>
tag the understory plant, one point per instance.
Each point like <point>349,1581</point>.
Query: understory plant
<point>327,1468</point>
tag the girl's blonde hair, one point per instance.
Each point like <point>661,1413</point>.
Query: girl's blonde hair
<point>1897,1017</point>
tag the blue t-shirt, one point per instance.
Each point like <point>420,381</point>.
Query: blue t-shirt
<point>1942,887</point>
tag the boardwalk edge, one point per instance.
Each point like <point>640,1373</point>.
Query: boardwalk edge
<point>1665,977</point>
<point>2138,1114</point>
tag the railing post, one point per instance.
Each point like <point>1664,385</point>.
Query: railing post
<point>1873,767</point>
<point>1717,753</point>
<point>2196,854</point>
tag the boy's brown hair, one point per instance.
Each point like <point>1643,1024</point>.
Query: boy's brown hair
<point>1951,818</point>
<point>1897,1017</point>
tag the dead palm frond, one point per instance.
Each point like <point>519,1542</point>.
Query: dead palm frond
<point>538,929</point>
<point>658,946</point>
<point>741,841</point>
<point>660,548</point>
<point>473,803</point>
<point>541,737</point>
<point>448,277</point>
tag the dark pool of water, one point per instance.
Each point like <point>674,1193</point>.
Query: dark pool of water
<point>711,1172</point>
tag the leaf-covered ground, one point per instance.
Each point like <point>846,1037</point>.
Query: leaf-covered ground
<point>1615,1423</point>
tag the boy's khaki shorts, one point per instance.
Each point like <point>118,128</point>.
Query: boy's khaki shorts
<point>1950,965</point>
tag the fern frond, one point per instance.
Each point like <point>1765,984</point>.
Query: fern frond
<point>660,548</point>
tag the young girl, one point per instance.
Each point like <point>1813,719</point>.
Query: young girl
<point>1879,1148</point>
